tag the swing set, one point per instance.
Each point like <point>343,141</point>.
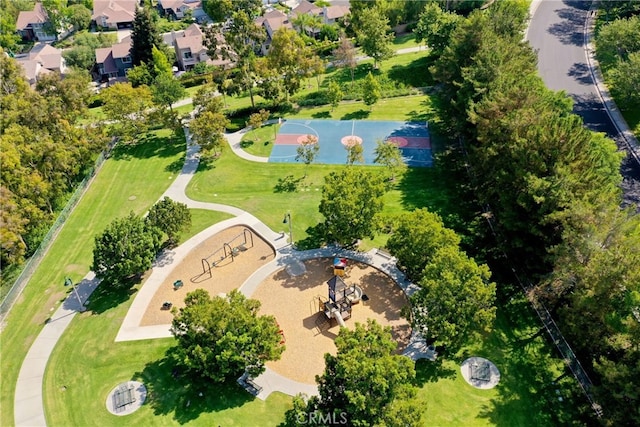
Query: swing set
<point>228,249</point>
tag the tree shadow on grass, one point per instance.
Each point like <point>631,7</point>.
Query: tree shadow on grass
<point>356,115</point>
<point>534,387</point>
<point>316,238</point>
<point>170,390</point>
<point>246,143</point>
<point>107,296</point>
<point>288,184</point>
<point>151,145</point>
<point>414,74</point>
<point>431,372</point>
<point>321,115</point>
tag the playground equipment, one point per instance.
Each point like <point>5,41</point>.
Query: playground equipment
<point>232,248</point>
<point>339,305</point>
<point>339,266</point>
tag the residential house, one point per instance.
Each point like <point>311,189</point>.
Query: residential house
<point>272,21</point>
<point>178,9</point>
<point>42,59</point>
<point>307,8</point>
<point>334,13</point>
<point>114,61</point>
<point>190,48</point>
<point>34,25</point>
<point>114,14</point>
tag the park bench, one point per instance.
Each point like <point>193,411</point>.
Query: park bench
<point>123,396</point>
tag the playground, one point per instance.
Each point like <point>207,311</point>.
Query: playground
<point>219,264</point>
<point>335,135</point>
<point>293,297</point>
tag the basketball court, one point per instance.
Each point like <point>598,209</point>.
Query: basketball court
<point>334,136</point>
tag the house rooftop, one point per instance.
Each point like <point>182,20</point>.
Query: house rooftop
<point>305,7</point>
<point>36,16</point>
<point>336,11</point>
<point>114,10</point>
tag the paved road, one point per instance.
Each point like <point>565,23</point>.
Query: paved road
<point>557,32</point>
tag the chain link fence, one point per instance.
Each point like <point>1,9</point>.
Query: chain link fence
<point>34,261</point>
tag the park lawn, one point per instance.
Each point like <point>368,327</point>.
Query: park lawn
<point>143,171</point>
<point>530,373</point>
<point>259,187</point>
<point>259,142</point>
<point>202,219</point>
<point>86,366</point>
<point>403,41</point>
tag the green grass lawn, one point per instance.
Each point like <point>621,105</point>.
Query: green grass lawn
<point>404,41</point>
<point>259,142</point>
<point>530,375</point>
<point>132,180</point>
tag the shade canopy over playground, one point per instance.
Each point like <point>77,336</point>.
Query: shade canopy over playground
<point>333,136</point>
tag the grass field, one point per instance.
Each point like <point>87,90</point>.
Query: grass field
<point>131,181</point>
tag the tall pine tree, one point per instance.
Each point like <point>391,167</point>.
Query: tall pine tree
<point>144,37</point>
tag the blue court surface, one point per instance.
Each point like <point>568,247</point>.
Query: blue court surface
<point>334,135</point>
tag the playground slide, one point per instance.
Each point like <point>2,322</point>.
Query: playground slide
<point>338,317</point>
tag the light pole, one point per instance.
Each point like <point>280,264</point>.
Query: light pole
<point>69,282</point>
<point>287,220</point>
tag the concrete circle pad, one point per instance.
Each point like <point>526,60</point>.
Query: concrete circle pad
<point>133,393</point>
<point>480,373</point>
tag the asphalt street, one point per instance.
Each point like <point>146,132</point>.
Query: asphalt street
<point>557,33</point>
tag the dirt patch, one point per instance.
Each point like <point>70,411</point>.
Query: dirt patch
<point>308,334</point>
<point>228,274</point>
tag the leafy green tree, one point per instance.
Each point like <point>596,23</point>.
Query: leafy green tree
<point>206,98</point>
<point>221,10</point>
<point>435,27</point>
<point>127,107</point>
<point>334,94</point>
<point>373,35</point>
<point>345,56</point>
<point>161,65</point>
<point>207,130</point>
<point>366,383</point>
<point>140,75</point>
<point>389,156</point>
<point>455,298</point>
<point>170,217</point>
<point>307,151</point>
<point>415,239</point>
<point>144,36</point>
<point>355,153</point>
<point>625,81</point>
<point>618,39</point>
<point>166,90</point>
<point>82,57</point>
<point>13,224</point>
<point>370,90</point>
<point>221,338</point>
<point>10,10</point>
<point>288,54</point>
<point>126,248</point>
<point>78,16</point>
<point>351,202</point>
<point>243,39</point>
<point>256,120</point>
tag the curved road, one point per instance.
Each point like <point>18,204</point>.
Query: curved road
<point>557,33</point>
